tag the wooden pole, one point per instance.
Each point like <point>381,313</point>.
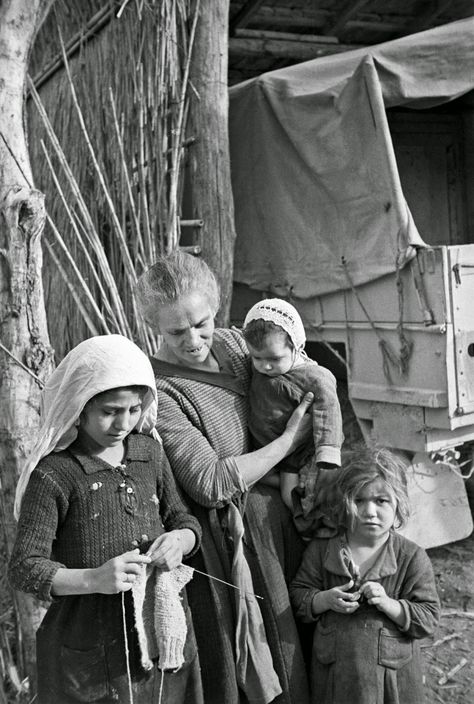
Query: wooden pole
<point>208,157</point>
<point>23,330</point>
<point>351,8</point>
<point>293,50</point>
<point>244,15</point>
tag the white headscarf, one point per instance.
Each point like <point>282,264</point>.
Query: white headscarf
<point>98,364</point>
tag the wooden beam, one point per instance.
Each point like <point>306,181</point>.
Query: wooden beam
<point>350,9</point>
<point>316,21</point>
<point>278,16</point>
<point>426,19</point>
<point>243,16</point>
<point>283,49</point>
<point>376,25</point>
<point>287,36</point>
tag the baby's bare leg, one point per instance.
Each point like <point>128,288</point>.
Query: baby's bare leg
<point>272,478</point>
<point>288,481</point>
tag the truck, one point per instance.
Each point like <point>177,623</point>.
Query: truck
<point>351,176</point>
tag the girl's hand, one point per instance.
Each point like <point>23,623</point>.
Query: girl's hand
<point>337,599</point>
<point>118,574</point>
<point>378,597</point>
<point>166,551</point>
<point>375,595</point>
<point>300,424</point>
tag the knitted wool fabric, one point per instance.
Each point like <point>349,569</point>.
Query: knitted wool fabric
<point>282,313</point>
<point>160,620</point>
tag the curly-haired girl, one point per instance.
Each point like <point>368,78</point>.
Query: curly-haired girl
<point>370,590</point>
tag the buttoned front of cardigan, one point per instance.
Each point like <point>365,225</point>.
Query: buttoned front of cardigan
<point>77,513</point>
<point>74,512</point>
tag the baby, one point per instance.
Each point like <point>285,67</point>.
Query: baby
<point>283,373</point>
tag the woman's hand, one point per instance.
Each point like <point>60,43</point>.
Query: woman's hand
<point>118,574</point>
<point>254,465</point>
<point>336,599</point>
<point>300,424</point>
<point>167,550</point>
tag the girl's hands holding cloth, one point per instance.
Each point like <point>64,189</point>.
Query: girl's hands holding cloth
<point>340,600</point>
<point>377,596</point>
<point>337,599</point>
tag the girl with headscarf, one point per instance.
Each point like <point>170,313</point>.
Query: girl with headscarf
<point>102,533</point>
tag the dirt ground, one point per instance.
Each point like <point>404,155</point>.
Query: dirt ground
<point>453,643</point>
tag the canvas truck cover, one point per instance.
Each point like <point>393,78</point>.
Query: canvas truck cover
<point>318,200</point>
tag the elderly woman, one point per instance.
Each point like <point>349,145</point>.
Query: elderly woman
<point>248,645</point>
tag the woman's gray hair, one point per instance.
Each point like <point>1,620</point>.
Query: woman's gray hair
<point>170,278</point>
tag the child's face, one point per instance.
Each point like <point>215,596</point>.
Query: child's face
<point>274,357</point>
<point>376,507</point>
<point>107,420</point>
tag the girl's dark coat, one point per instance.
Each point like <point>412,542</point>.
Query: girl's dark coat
<point>364,658</point>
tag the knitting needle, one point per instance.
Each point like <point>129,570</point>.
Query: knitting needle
<point>228,583</point>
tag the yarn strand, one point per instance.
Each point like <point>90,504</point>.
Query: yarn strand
<point>127,651</point>
<point>210,576</point>
<point>160,695</point>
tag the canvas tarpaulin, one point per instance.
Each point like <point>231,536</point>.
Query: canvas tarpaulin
<point>318,199</point>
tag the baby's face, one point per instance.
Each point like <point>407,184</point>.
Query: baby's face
<point>274,357</point>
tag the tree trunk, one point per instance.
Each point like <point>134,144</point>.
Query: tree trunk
<point>23,330</point>
<point>211,190</point>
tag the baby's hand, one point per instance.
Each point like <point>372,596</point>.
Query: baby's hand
<point>375,594</point>
<point>338,599</point>
<point>166,551</point>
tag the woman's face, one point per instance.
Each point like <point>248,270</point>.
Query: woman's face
<point>187,327</point>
